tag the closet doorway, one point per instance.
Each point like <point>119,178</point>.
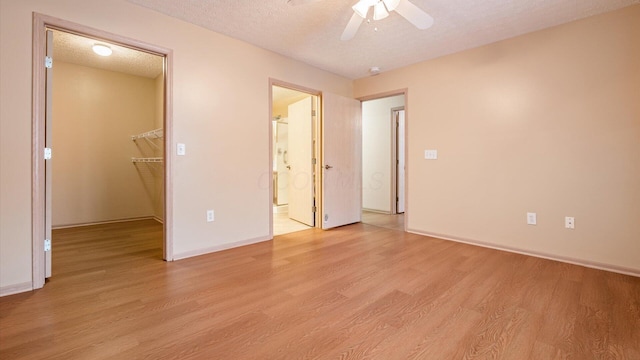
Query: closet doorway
<point>294,117</point>
<point>106,120</point>
<point>383,161</point>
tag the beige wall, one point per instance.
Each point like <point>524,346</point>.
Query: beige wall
<point>220,111</point>
<point>95,113</point>
<point>547,122</point>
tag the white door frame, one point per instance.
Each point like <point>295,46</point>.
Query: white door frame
<point>316,147</point>
<point>40,24</point>
<point>394,158</point>
<point>404,92</point>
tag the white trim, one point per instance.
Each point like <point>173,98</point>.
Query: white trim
<point>564,259</point>
<point>378,211</point>
<point>281,209</point>
<point>40,23</point>
<point>115,221</point>
<point>15,288</point>
<point>386,94</point>
<point>317,134</point>
<point>188,254</point>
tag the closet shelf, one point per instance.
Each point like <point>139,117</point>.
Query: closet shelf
<point>153,134</point>
<point>147,160</point>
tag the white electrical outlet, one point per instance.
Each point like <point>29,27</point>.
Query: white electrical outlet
<point>210,216</point>
<point>531,218</point>
<point>181,149</point>
<point>431,154</point>
<point>569,222</point>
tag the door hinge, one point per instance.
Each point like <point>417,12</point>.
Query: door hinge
<point>313,161</point>
<point>313,209</point>
<point>48,62</point>
<point>47,153</point>
<point>47,245</point>
<point>313,113</point>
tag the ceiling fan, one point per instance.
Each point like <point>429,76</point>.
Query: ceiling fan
<point>381,9</point>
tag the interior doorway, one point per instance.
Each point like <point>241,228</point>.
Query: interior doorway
<point>294,116</point>
<point>383,161</point>
<point>105,110</point>
<point>146,144</point>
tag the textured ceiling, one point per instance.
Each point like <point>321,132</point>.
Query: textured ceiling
<point>77,50</point>
<point>311,32</point>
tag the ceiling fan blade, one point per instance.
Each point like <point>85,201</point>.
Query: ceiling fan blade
<point>414,14</point>
<point>352,27</point>
<point>300,2</point>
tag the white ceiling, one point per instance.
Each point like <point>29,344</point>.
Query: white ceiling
<point>311,32</point>
<point>77,50</point>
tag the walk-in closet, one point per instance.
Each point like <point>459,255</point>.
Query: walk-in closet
<point>107,135</point>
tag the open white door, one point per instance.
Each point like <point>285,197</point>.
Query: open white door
<point>48,172</point>
<point>300,154</point>
<point>342,161</point>
<point>281,153</point>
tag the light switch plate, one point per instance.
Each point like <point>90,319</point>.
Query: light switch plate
<point>431,154</point>
<point>532,218</point>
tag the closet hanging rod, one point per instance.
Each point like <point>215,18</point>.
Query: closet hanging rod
<point>153,134</point>
<point>147,160</point>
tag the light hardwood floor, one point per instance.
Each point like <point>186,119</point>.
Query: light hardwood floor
<point>356,292</point>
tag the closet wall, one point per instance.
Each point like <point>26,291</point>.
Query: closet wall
<point>95,113</point>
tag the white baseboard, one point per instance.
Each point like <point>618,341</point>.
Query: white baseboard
<point>107,222</point>
<point>188,254</point>
<point>16,288</point>
<point>565,259</point>
<point>281,209</point>
<point>377,211</point>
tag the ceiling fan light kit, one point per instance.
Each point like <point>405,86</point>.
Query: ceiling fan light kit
<point>391,4</point>
<point>381,9</point>
<point>362,7</point>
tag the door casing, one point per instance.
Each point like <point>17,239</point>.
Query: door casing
<point>316,146</point>
<point>397,148</point>
<point>404,92</point>
<point>41,23</point>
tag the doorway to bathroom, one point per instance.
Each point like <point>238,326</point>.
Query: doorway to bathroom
<point>294,139</point>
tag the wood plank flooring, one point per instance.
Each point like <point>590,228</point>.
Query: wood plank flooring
<point>356,292</point>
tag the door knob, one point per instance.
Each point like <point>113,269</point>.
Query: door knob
<point>289,167</point>
<point>327,167</point>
